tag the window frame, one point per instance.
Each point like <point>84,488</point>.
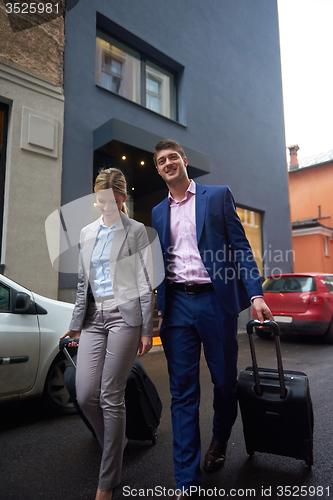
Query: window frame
<point>147,57</point>
<point>151,93</point>
<point>104,68</point>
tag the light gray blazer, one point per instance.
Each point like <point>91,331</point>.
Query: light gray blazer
<point>130,271</point>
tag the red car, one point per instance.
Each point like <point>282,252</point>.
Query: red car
<point>300,303</point>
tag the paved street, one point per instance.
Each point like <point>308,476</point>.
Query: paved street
<point>58,459</point>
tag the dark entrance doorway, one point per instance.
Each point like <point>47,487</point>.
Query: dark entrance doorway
<point>145,186</point>
<point>131,148</point>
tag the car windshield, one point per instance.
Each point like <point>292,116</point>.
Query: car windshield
<point>296,284</point>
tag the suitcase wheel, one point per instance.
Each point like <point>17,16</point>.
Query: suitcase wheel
<point>309,460</point>
<point>154,436</point>
<point>308,453</point>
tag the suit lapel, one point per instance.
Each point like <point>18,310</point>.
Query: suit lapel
<point>165,222</point>
<point>200,209</point>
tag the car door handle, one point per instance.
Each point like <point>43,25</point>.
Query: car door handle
<point>13,360</point>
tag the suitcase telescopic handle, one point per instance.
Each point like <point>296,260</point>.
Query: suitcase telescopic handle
<point>274,327</point>
<point>63,345</point>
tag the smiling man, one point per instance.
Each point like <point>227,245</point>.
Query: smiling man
<point>199,302</point>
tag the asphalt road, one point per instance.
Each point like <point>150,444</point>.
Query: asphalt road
<point>49,458</point>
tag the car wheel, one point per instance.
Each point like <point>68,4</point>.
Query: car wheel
<point>55,395</point>
<point>328,336</point>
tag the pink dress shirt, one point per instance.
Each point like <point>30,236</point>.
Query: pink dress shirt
<point>185,264</point>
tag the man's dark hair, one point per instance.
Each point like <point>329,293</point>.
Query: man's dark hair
<point>168,144</point>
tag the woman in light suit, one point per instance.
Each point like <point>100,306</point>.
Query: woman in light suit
<point>113,316</point>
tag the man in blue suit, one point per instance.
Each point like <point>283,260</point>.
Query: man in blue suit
<point>211,275</point>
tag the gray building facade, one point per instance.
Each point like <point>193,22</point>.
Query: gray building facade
<point>206,74</point>
<point>31,138</point>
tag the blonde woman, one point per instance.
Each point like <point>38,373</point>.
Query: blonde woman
<point>113,316</point>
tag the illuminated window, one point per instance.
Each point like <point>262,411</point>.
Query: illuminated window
<point>130,74</point>
<point>253,229</point>
<point>118,68</point>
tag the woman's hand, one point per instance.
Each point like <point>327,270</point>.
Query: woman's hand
<point>145,345</point>
<point>73,334</point>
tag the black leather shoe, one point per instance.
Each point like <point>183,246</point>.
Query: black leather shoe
<point>215,456</point>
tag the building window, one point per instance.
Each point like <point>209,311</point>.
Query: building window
<point>118,68</point>
<point>328,280</point>
<point>130,74</point>
<point>253,229</point>
<point>326,252</point>
<point>3,148</point>
<point>112,72</point>
<point>153,92</point>
<point>4,299</point>
<point>159,90</point>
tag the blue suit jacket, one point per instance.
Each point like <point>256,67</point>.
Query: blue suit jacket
<point>223,246</point>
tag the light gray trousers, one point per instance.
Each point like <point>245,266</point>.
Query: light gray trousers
<point>106,354</point>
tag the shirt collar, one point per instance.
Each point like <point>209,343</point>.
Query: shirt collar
<point>103,226</point>
<point>190,190</point>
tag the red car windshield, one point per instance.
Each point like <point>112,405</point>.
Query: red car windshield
<point>293,284</point>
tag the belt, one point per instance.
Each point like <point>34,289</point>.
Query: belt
<point>193,288</point>
<point>92,298</point>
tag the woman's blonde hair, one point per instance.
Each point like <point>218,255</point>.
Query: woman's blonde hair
<point>112,178</point>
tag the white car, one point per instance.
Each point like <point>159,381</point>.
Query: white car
<point>30,361</point>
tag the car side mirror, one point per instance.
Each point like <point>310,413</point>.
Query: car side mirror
<point>22,303</point>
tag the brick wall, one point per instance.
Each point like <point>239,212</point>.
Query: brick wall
<point>38,50</point>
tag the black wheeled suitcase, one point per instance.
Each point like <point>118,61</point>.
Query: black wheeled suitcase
<point>275,406</point>
<point>143,404</point>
